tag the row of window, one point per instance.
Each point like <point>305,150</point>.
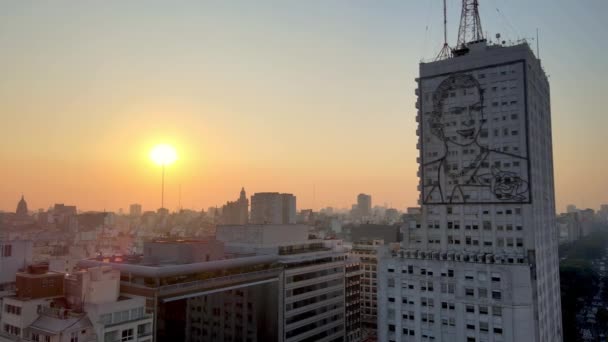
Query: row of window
<point>122,316</point>
<point>12,330</point>
<point>12,309</point>
<point>474,210</point>
<point>500,242</point>
<point>7,250</point>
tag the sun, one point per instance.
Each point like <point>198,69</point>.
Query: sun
<point>163,154</point>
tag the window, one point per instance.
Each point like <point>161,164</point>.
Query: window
<point>110,336</point>
<point>74,336</point>
<point>137,313</point>
<point>7,250</point>
<point>483,293</point>
<point>483,310</point>
<point>127,335</point>
<point>483,326</point>
<point>469,292</point>
<point>497,311</point>
<point>498,331</point>
<point>12,309</point>
<point>496,277</point>
<point>35,337</point>
<point>391,327</point>
<point>470,308</point>
<point>12,330</point>
<point>497,295</point>
<point>106,319</point>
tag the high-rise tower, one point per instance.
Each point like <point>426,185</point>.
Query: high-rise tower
<point>483,265</point>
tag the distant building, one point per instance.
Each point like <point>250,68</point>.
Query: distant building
<point>587,220</point>
<point>22,211</point>
<point>273,208</point>
<point>603,212</point>
<point>135,210</point>
<point>569,227</point>
<point>364,205</point>
<point>368,231</point>
<point>571,208</point>
<point>64,216</point>
<point>236,212</point>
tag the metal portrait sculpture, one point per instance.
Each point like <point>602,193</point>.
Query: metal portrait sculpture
<point>463,168</point>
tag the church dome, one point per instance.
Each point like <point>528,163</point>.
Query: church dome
<point>22,207</point>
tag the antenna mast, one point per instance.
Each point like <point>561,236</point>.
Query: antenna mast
<point>446,51</point>
<point>470,26</point>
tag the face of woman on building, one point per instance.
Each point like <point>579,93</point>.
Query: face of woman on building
<point>462,116</point>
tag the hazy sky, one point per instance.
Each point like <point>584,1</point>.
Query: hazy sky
<point>278,95</point>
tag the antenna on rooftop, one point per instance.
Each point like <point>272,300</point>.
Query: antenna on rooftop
<point>446,51</point>
<point>470,30</point>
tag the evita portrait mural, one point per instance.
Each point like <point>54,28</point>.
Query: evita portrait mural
<point>473,140</point>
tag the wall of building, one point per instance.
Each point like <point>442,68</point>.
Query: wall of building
<point>15,255</point>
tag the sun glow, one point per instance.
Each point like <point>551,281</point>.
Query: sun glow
<point>163,154</point>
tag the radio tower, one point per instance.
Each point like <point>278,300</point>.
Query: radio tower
<point>446,51</point>
<point>470,26</point>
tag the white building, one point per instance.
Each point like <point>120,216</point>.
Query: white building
<point>273,208</point>
<point>82,306</point>
<point>115,317</point>
<point>15,255</point>
<point>312,290</point>
<point>483,264</point>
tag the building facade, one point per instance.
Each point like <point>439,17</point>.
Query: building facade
<point>236,212</point>
<point>273,208</point>
<point>483,266</point>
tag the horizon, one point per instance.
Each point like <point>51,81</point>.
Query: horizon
<point>303,98</point>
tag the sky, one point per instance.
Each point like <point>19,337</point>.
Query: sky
<point>312,97</point>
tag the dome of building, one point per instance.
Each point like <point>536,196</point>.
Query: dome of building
<point>22,208</point>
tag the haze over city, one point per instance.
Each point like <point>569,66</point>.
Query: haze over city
<point>313,98</point>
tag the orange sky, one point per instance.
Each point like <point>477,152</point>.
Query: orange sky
<point>273,96</point>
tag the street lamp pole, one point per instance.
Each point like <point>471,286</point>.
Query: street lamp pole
<point>162,193</point>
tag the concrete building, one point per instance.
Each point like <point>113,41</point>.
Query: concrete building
<point>273,208</point>
<point>236,212</point>
<point>483,266</point>
<point>271,283</point>
<point>368,231</point>
<point>135,210</point>
<point>364,206</point>
<point>353,300</point>
<point>603,213</point>
<point>366,253</point>
<point>196,293</point>
<point>569,227</point>
<point>312,293</point>
<point>15,255</point>
<point>83,306</point>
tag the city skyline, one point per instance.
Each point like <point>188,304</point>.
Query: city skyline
<point>91,88</point>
